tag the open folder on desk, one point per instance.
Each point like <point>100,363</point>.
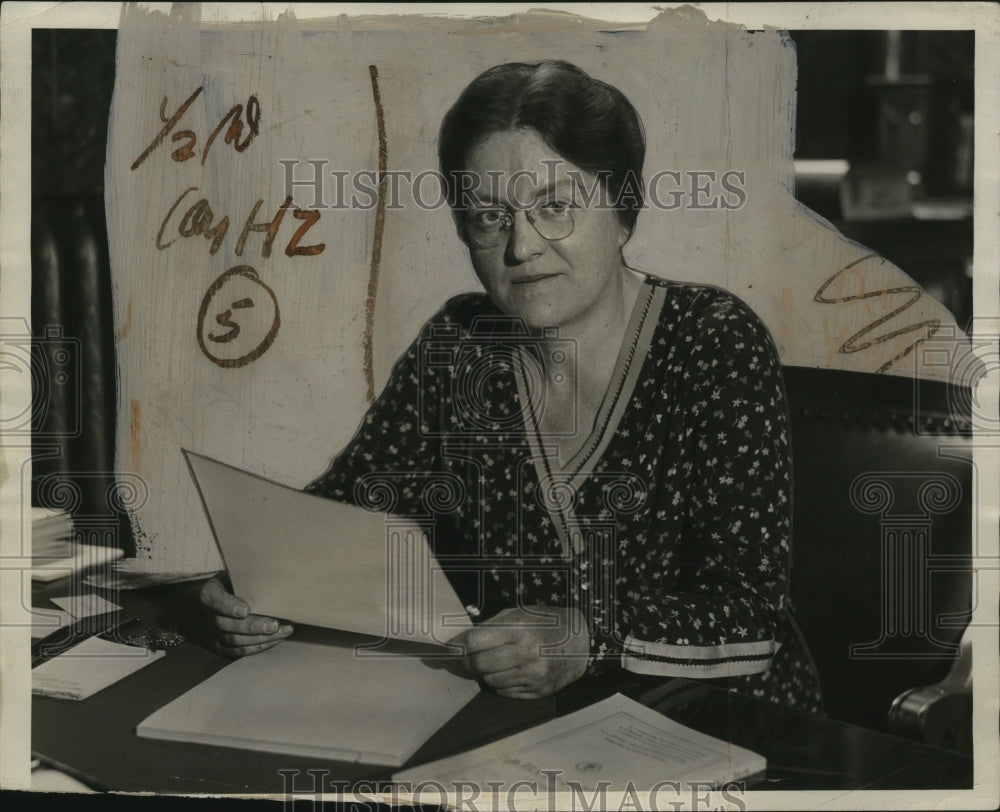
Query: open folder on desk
<point>372,691</point>
<point>317,696</point>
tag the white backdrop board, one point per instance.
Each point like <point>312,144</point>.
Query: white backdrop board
<point>258,340</point>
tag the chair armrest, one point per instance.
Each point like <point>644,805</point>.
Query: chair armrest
<point>939,714</point>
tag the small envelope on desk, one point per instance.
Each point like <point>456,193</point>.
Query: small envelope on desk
<point>81,606</point>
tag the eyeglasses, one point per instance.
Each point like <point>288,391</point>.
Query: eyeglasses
<point>490,227</point>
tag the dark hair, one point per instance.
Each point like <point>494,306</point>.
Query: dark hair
<point>589,123</point>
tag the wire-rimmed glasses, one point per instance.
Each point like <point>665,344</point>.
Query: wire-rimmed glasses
<point>490,226</point>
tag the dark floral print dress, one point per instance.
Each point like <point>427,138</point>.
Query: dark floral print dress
<point>670,527</point>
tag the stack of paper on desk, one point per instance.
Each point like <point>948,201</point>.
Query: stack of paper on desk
<point>320,700</point>
<point>48,524</point>
<point>54,554</point>
<point>313,561</point>
<point>68,558</point>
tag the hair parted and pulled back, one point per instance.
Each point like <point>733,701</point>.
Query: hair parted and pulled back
<point>588,122</point>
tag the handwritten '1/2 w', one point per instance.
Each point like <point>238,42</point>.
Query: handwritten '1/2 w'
<point>187,149</point>
<point>199,219</point>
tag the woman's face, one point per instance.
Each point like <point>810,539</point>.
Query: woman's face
<point>547,282</point>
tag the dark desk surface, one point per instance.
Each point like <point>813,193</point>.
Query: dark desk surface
<point>95,739</point>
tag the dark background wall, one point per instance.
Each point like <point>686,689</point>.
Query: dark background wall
<point>912,135</point>
<point>834,114</point>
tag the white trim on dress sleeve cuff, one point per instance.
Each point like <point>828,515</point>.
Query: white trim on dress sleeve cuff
<point>723,660</point>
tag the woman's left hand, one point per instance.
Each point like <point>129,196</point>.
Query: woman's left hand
<point>504,651</point>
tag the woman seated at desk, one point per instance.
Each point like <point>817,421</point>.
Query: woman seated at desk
<point>621,440</point>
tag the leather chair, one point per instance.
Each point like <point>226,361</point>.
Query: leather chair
<point>882,541</point>
<point>939,714</point>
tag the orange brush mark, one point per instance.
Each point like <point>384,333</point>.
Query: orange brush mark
<point>127,326</point>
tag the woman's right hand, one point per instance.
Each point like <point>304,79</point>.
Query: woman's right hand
<point>236,631</point>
